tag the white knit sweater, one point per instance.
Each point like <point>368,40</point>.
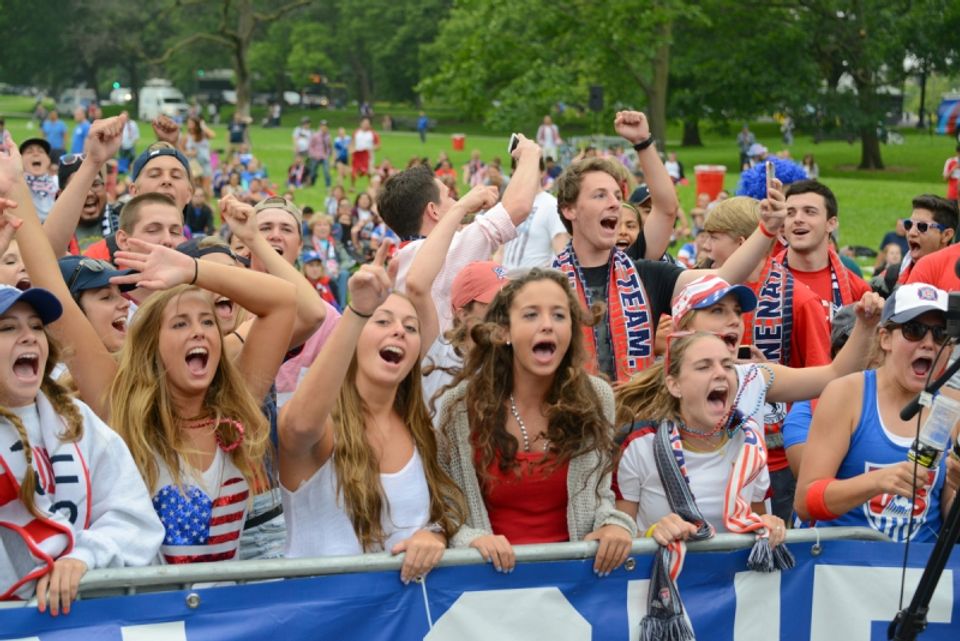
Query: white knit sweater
<point>590,505</point>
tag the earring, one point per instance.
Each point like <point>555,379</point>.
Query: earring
<point>508,342</point>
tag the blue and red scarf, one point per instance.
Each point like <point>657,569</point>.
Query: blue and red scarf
<point>773,317</point>
<point>628,313</point>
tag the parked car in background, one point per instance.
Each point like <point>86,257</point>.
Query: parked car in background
<point>70,99</point>
<point>158,97</point>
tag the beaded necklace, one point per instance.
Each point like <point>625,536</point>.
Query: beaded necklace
<point>215,423</point>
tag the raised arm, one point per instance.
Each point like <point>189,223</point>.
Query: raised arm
<point>305,429</point>
<point>658,227</point>
<point>103,141</point>
<point>272,300</point>
<point>311,310</point>
<point>91,364</point>
<point>828,444</point>
<point>754,250</point>
<point>432,255</point>
<point>792,384</point>
<point>524,183</point>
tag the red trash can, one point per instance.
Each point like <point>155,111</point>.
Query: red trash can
<point>459,142</point>
<point>710,179</point>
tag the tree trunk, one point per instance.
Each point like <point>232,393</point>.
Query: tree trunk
<point>243,78</point>
<point>657,97</point>
<point>691,132</point>
<point>870,148</point>
<point>922,120</point>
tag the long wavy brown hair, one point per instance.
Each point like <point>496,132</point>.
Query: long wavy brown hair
<point>142,410</point>
<point>358,468</point>
<point>576,423</point>
<point>64,407</point>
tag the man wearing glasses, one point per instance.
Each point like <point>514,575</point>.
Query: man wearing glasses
<point>931,227</point>
<point>937,266</point>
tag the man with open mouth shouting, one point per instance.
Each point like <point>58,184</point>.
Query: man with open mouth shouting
<point>636,292</point>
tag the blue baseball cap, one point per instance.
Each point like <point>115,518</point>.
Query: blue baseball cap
<point>310,256</point>
<point>46,304</point>
<point>81,273</point>
<point>156,152</point>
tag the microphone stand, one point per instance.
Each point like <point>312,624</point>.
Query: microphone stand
<point>912,620</point>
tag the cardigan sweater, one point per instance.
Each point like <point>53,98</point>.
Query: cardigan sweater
<point>590,503</point>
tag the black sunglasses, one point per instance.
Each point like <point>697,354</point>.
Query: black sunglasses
<point>922,226</point>
<point>915,331</point>
<point>91,264</point>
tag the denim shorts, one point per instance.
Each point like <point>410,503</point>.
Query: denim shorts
<point>266,540</point>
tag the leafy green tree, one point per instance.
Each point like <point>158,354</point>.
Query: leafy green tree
<point>510,62</point>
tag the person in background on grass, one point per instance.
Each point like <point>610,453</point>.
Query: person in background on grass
<point>314,270</point>
<point>55,131</point>
<point>297,173</point>
<point>423,123</point>
<point>318,152</point>
<point>810,166</point>
<point>80,130</point>
<point>198,217</point>
<point>35,153</point>
<point>341,148</point>
<point>951,173</point>
<point>854,470</point>
<point>365,142</point>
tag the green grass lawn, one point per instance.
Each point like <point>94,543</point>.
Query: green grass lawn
<point>870,202</point>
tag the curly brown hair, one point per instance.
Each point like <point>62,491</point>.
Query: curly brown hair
<point>576,423</point>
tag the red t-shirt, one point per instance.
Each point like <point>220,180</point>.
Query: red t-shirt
<point>937,269</point>
<point>530,507</point>
<point>809,335</point>
<point>98,250</point>
<point>949,170</point>
<point>821,283</point>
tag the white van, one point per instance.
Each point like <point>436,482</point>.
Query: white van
<point>70,99</point>
<point>159,97</point>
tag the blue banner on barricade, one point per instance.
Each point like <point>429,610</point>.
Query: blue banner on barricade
<point>850,591</point>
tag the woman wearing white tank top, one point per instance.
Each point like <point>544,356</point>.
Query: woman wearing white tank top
<point>358,457</point>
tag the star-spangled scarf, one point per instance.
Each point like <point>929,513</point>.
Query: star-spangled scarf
<point>628,313</point>
<point>34,543</point>
<point>665,619</point>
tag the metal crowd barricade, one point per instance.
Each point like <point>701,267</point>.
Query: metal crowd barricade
<point>127,581</point>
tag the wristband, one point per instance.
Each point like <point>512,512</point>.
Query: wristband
<point>196,271</point>
<point>354,310</point>
<point>649,531</point>
<point>816,501</point>
<point>643,144</point>
<point>766,232</point>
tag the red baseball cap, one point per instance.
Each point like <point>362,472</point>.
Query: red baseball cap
<point>478,281</point>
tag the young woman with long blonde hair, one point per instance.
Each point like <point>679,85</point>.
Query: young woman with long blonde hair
<point>358,455</point>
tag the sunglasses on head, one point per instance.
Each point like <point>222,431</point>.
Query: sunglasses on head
<point>915,331</point>
<point>922,226</point>
<point>91,264</point>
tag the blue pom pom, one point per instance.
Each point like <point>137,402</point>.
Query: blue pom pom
<point>753,181</point>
